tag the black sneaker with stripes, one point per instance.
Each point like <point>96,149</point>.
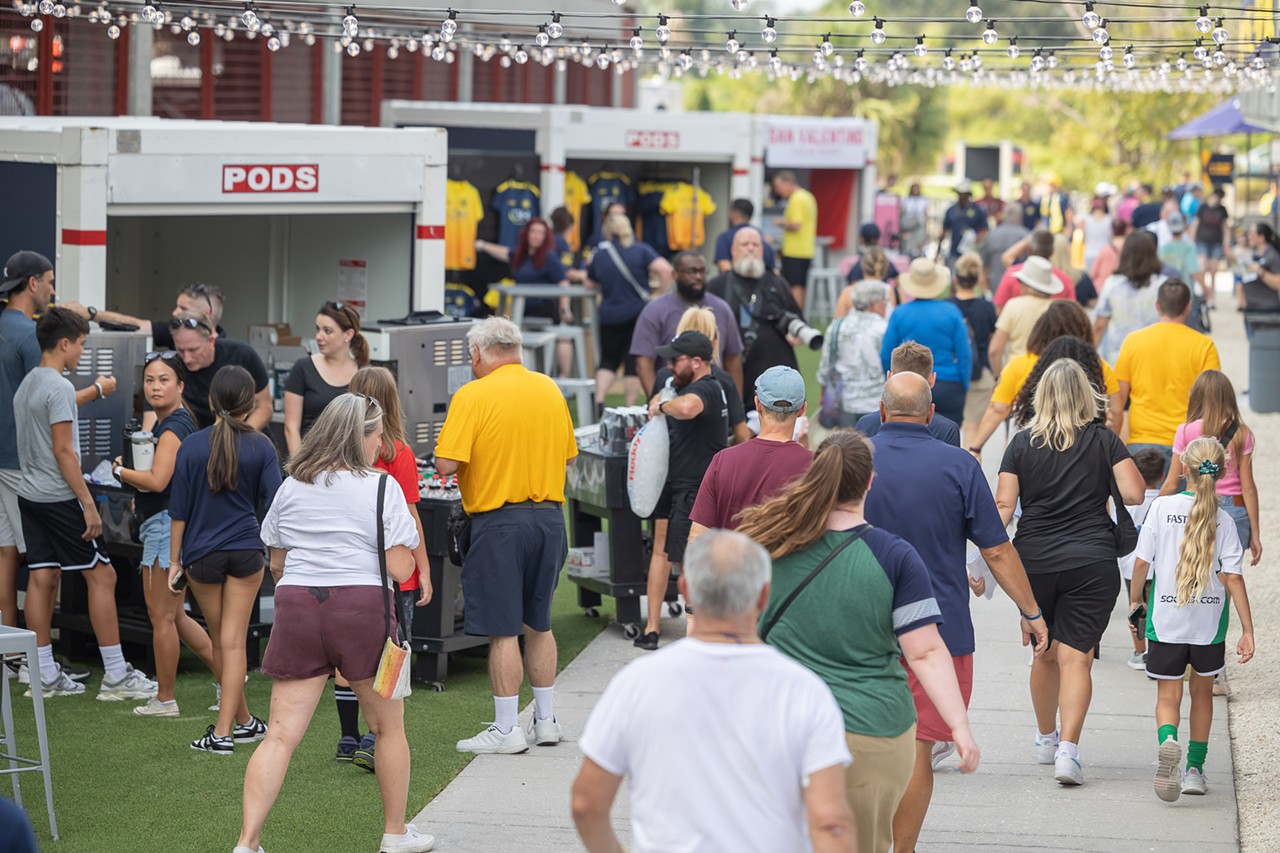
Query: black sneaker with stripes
<point>250,732</point>
<point>210,742</point>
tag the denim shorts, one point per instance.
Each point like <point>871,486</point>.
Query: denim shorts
<point>155,540</point>
<point>1240,516</point>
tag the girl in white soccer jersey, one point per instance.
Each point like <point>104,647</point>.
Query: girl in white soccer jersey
<point>1195,554</point>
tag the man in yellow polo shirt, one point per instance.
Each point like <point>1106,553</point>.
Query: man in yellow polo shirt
<point>1156,368</point>
<point>508,435</point>
<point>799,225</point>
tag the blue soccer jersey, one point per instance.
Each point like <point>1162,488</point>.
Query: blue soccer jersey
<point>515,202</point>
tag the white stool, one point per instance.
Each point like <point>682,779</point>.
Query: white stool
<point>17,641</point>
<point>578,337</point>
<point>822,291</point>
<point>540,351</point>
<point>584,393</point>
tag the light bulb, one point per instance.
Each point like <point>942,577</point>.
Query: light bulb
<point>1219,58</point>
<point>59,11</point>
<point>860,64</point>
<point>1091,19</point>
<point>504,44</point>
<point>827,47</point>
<point>274,44</point>
<point>989,35</point>
<point>113,32</point>
<point>775,64</point>
<point>449,26</point>
<point>686,61</point>
<point>1129,60</point>
<point>1201,53</point>
<point>1258,62</point>
<point>37,25</point>
<point>1052,61</point>
<point>731,46</point>
<point>948,62</point>
<point>636,42</point>
<point>857,8</point>
<point>193,38</point>
<point>1204,23</point>
<point>878,35</point>
<point>555,29</point>
<point>619,2</point>
<point>1013,50</point>
<point>350,25</point>
<point>1100,35</point>
<point>738,5</point>
<point>353,49</point>
<point>920,49</point>
<point>769,33</point>
<point>1037,62</point>
<point>1181,63</point>
<point>973,14</point>
<point>437,53</point>
<point>602,61</point>
<point>1219,33</point>
<point>250,18</point>
<point>542,39</point>
<point>663,32</point>
<point>46,7</point>
<point>966,65</point>
<point>148,13</point>
<point>522,55</point>
<point>742,56</point>
<point>1105,52</point>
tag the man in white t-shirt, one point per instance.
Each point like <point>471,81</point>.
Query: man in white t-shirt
<point>675,724</point>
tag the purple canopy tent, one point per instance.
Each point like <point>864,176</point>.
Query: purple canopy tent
<point>1224,120</point>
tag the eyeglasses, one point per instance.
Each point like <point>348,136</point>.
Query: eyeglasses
<point>168,355</point>
<point>374,409</point>
<point>189,323</point>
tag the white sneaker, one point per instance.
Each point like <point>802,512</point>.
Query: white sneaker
<point>61,685</point>
<point>493,741</point>
<point>1066,770</point>
<point>216,707</point>
<point>542,732</point>
<point>24,674</point>
<point>1046,748</point>
<point>156,708</point>
<point>942,749</point>
<point>247,850</point>
<point>1167,782</point>
<point>134,685</point>
<point>1138,661</point>
<point>1194,783</point>
<point>411,842</point>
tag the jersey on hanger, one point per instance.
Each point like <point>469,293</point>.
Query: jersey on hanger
<point>686,209</point>
<point>463,212</point>
<point>653,222</point>
<point>576,196</point>
<point>609,188</point>
<point>516,202</point>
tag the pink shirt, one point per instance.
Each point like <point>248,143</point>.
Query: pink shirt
<point>1229,483</point>
<point>1010,287</point>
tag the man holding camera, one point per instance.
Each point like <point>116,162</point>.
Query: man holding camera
<point>764,308</point>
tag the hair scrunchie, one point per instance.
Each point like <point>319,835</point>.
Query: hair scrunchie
<point>1210,468</point>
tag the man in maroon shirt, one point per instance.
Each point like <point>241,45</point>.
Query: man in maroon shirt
<point>746,474</point>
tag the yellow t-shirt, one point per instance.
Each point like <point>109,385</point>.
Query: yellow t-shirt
<point>576,195</point>
<point>802,207</point>
<point>1016,373</point>
<point>463,212</point>
<point>513,435</point>
<point>686,210</point>
<point>1160,363</point>
<point>1018,317</point>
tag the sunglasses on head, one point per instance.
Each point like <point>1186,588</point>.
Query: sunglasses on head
<point>187,323</point>
<point>374,409</point>
<point>335,306</point>
<point>168,355</point>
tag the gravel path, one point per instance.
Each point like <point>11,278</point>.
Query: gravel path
<point>1254,707</point>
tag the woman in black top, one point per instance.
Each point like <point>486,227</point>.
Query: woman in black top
<point>317,380</point>
<point>1061,469</point>
<point>980,317</point>
<point>162,384</point>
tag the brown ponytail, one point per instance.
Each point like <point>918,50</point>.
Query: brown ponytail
<point>232,398</point>
<point>797,517</point>
<point>348,319</point>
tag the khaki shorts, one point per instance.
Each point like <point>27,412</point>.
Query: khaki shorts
<point>875,783</point>
<point>10,519</point>
<point>978,398</point>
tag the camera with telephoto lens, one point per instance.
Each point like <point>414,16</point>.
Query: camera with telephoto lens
<point>794,325</point>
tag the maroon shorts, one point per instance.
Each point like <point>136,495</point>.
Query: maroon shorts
<point>319,629</point>
<point>929,723</point>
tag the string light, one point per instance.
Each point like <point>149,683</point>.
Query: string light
<point>948,61</point>
<point>989,35</point>
<point>731,44</point>
<point>449,26</point>
<point>350,25</point>
<point>857,8</point>
<point>541,39</point>
<point>1013,50</point>
<point>973,14</point>
<point>1091,20</point>
<point>1100,34</point>
<point>636,43</point>
<point>769,33</point>
<point>663,32</point>
<point>738,5</point>
<point>827,47</point>
<point>1219,33</point>
<point>920,50</point>
<point>878,35</point>
<point>1129,60</point>
<point>1203,23</point>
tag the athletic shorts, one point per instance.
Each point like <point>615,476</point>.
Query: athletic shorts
<point>53,532</point>
<point>155,540</point>
<point>10,517</point>
<point>1077,603</point>
<point>796,271</point>
<point>679,524</point>
<point>615,346</point>
<point>215,568</point>
<point>1212,251</point>
<point>321,628</point>
<point>1169,661</point>
<point>510,568</point>
<point>929,723</point>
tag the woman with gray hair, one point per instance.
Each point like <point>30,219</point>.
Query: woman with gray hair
<point>322,534</point>
<point>850,365</point>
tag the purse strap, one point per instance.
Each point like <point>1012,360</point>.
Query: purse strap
<point>1228,434</point>
<point>857,534</point>
<point>608,246</point>
<point>1116,497</point>
<point>382,568</point>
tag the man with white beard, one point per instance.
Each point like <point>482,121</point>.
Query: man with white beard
<point>763,305</point>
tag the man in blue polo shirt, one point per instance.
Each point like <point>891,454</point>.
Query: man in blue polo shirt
<point>911,357</point>
<point>936,497</point>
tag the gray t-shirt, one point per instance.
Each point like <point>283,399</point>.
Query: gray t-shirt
<point>44,398</point>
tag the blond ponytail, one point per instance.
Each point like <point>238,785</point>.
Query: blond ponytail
<point>1204,461</point>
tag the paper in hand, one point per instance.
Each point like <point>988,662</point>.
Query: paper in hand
<point>977,568</point>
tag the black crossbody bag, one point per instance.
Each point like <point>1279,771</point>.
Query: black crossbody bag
<point>857,534</point>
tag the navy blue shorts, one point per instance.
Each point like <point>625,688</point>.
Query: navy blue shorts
<point>510,568</point>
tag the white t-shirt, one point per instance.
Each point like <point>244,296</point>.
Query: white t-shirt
<point>330,528</point>
<point>716,742</point>
<point>1139,515</point>
<point>1204,621</point>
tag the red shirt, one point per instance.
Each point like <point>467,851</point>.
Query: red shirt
<point>403,468</point>
<point>745,475</point>
<point>1011,287</point>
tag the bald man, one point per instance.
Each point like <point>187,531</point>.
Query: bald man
<point>936,497</point>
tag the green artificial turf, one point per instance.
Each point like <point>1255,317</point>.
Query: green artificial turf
<point>127,783</point>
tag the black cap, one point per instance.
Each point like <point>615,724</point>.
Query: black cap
<point>869,232</point>
<point>22,266</point>
<point>693,344</point>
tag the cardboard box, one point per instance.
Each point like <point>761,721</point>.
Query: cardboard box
<point>273,334</point>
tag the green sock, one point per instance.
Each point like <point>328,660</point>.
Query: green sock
<point>1167,732</point>
<point>1196,752</point>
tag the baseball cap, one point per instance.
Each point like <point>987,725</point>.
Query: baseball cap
<point>869,231</point>
<point>1177,223</point>
<point>22,266</point>
<point>780,389</point>
<point>693,344</point>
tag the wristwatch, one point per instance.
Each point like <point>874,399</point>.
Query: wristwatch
<point>93,312</point>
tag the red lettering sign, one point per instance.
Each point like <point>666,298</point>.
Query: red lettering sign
<point>271,179</point>
<point>662,139</point>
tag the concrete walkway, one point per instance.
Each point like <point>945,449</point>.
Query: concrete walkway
<point>521,803</point>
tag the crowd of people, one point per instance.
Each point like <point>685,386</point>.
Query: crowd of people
<point>827,592</point>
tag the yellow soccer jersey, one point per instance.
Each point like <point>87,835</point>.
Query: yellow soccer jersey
<point>686,209</point>
<point>464,211</point>
<point>576,195</point>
